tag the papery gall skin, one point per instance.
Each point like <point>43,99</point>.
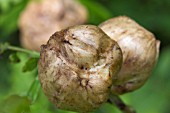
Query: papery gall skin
<point>77,66</point>
<point>140,52</point>
<point>41,18</point>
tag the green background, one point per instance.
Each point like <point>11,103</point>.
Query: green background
<point>153,97</point>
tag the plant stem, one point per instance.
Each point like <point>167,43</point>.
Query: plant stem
<point>116,100</point>
<point>32,53</point>
<point>34,90</point>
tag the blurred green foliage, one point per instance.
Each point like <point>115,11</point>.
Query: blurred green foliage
<point>15,104</point>
<point>15,93</point>
<point>9,13</point>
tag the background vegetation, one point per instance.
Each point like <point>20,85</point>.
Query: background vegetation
<point>153,97</point>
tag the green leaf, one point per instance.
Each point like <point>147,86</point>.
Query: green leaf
<point>3,47</point>
<point>15,104</point>
<point>42,102</point>
<point>14,58</point>
<point>30,65</point>
<point>5,5</point>
<point>9,18</point>
<point>20,82</point>
<point>34,90</point>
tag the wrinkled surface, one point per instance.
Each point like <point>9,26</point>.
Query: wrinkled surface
<point>42,18</point>
<point>77,66</point>
<point>140,52</point>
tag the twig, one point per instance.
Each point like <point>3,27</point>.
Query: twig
<point>116,100</point>
<point>6,46</point>
<point>32,53</point>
